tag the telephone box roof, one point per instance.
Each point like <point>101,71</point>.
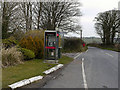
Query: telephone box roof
<point>50,31</point>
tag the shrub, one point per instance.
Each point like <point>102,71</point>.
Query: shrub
<point>18,35</point>
<point>11,56</point>
<point>117,46</point>
<point>34,33</point>
<point>34,40</point>
<point>73,45</point>
<point>28,54</point>
<point>10,42</point>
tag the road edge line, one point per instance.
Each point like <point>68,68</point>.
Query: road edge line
<point>109,54</point>
<point>87,51</point>
<point>84,76</point>
<point>77,55</point>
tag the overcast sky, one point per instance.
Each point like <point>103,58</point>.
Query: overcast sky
<point>90,9</point>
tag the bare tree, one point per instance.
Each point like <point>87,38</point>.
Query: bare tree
<point>115,23</point>
<point>26,8</point>
<point>52,15</point>
<point>27,16</point>
<point>107,24</point>
<point>0,21</point>
<point>37,13</point>
<point>8,11</point>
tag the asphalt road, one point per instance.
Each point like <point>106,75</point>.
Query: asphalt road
<point>100,71</point>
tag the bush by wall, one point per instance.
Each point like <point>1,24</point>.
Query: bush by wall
<point>11,56</point>
<point>10,42</point>
<point>73,45</point>
<point>28,54</point>
<point>18,35</point>
<point>34,40</point>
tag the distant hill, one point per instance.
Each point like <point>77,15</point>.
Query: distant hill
<point>92,40</point>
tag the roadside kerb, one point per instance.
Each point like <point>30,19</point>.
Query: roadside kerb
<point>33,79</point>
<point>47,78</point>
<point>25,82</point>
<point>53,69</point>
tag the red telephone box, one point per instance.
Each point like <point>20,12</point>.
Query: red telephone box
<point>51,45</point>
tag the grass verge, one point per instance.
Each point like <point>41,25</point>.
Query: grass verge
<point>110,47</point>
<point>23,71</point>
<point>27,70</point>
<point>65,60</point>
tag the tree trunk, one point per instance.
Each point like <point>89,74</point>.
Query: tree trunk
<point>113,35</point>
<point>108,39</point>
<point>30,19</point>
<point>39,13</point>
<point>104,38</point>
<point>5,22</point>
<point>27,18</point>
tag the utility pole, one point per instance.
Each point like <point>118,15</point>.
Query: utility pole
<point>81,34</point>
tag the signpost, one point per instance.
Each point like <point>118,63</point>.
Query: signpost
<point>51,45</point>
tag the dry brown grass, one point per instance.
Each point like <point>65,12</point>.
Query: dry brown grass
<point>11,56</point>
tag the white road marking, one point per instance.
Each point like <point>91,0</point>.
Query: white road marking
<point>84,76</point>
<point>87,51</point>
<point>109,54</point>
<point>77,56</point>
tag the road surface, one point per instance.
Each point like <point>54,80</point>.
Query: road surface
<point>95,68</point>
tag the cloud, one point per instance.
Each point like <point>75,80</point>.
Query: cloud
<point>103,4</point>
<point>90,9</point>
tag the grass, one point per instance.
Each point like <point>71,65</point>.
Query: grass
<point>27,70</point>
<point>110,48</point>
<point>105,47</point>
<point>23,71</point>
<point>65,60</point>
